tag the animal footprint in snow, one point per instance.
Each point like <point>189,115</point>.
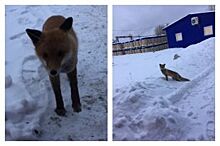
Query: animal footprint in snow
<point>8,81</point>
<point>89,99</point>
<point>210,113</point>
<point>56,121</point>
<point>190,114</point>
<point>210,130</point>
<point>30,68</point>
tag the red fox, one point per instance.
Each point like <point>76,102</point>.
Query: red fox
<point>174,75</point>
<point>56,46</point>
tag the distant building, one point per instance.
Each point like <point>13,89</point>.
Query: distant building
<point>191,29</point>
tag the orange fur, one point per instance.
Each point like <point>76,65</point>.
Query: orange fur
<point>173,74</point>
<point>57,48</point>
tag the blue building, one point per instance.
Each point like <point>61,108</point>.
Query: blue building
<point>191,29</point>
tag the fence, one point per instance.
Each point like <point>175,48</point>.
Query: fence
<point>146,44</point>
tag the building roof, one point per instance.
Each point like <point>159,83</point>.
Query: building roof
<point>187,16</point>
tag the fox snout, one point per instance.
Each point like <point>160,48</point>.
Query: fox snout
<point>52,68</point>
<point>53,72</point>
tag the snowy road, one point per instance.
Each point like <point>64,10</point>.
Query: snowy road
<point>30,101</point>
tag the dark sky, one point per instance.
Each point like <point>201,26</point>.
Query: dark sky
<point>141,20</point>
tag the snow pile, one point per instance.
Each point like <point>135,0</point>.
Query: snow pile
<point>30,101</point>
<point>148,119</point>
<point>147,107</point>
<point>23,114</point>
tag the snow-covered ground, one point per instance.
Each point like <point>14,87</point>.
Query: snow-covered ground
<point>30,100</point>
<point>147,107</point>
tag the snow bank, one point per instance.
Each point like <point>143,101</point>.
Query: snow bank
<point>138,67</point>
<point>23,113</point>
<point>138,116</point>
<point>147,107</point>
<point>26,102</point>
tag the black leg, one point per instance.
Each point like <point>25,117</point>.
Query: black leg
<point>74,90</point>
<point>55,82</point>
<point>167,78</point>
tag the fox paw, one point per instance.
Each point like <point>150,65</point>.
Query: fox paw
<point>60,111</point>
<point>77,108</point>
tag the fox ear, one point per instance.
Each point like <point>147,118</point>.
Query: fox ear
<point>67,24</point>
<point>34,35</point>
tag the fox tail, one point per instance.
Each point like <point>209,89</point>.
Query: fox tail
<point>184,79</point>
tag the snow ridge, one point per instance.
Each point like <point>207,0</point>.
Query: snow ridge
<point>178,94</point>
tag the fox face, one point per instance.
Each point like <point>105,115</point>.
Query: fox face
<point>56,48</point>
<point>54,55</point>
<point>162,66</point>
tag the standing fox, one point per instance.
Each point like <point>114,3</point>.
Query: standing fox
<point>171,73</point>
<point>56,47</point>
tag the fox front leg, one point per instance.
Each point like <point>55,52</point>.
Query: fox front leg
<point>55,82</point>
<point>72,76</point>
<point>166,77</point>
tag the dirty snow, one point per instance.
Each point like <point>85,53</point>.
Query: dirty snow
<point>147,107</point>
<point>30,100</point>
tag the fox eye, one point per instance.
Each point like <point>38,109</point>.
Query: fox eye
<point>45,55</point>
<point>60,53</point>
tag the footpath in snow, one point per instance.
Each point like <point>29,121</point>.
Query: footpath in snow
<point>147,107</point>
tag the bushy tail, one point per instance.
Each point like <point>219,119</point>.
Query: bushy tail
<point>184,79</point>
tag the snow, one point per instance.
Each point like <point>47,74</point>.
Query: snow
<point>30,100</point>
<point>147,107</point>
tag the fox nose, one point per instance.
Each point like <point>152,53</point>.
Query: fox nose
<point>53,72</point>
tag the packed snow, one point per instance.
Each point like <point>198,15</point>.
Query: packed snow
<point>147,107</point>
<point>30,101</point>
